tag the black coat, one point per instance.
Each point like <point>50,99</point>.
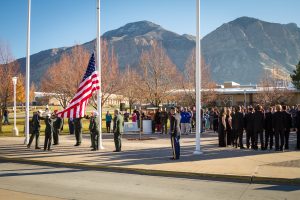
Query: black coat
<point>278,121</point>
<point>268,121</point>
<point>49,126</point>
<point>249,121</point>
<point>174,125</point>
<point>298,120</point>
<point>58,123</point>
<point>287,120</point>
<point>238,121</point>
<point>258,125</point>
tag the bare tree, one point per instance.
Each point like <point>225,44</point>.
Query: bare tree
<point>9,67</point>
<point>188,83</point>
<point>111,79</point>
<point>273,89</point>
<point>63,78</point>
<point>131,90</point>
<point>159,76</point>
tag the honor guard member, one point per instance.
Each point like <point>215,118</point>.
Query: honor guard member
<point>94,129</point>
<point>78,131</point>
<point>35,129</point>
<point>175,133</point>
<point>118,130</point>
<point>57,125</point>
<point>48,132</point>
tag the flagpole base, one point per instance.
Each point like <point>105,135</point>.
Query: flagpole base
<point>101,147</point>
<point>198,152</point>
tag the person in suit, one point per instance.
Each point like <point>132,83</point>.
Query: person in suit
<point>78,131</point>
<point>278,128</point>
<point>175,133</point>
<point>269,134</point>
<point>222,129</point>
<point>228,120</point>
<point>287,126</point>
<point>249,125</point>
<point>258,128</point>
<point>238,124</point>
<point>298,128</point>
<point>118,130</point>
<point>35,129</point>
<point>48,132</point>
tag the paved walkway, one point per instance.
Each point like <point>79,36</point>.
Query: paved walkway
<point>152,156</point>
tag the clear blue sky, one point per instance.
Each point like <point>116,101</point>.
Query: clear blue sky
<point>58,23</point>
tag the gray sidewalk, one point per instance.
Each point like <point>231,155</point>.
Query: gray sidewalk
<point>152,157</point>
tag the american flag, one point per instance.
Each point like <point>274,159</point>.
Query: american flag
<point>88,85</point>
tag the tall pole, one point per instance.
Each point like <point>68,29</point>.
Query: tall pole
<point>245,99</point>
<point>15,130</point>
<point>27,76</point>
<point>198,81</point>
<point>99,96</point>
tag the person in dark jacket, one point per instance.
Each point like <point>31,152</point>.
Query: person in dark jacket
<point>216,120</point>
<point>249,125</point>
<point>238,124</point>
<point>258,128</point>
<point>35,130</point>
<point>71,126</point>
<point>48,132</point>
<point>164,121</point>
<point>269,134</point>
<point>157,121</point>
<point>298,128</point>
<point>57,127</point>
<point>287,126</point>
<point>175,133</point>
<point>78,131</point>
<point>228,126</point>
<point>278,128</point>
<point>222,129</point>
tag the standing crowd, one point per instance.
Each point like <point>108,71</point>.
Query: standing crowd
<point>261,126</point>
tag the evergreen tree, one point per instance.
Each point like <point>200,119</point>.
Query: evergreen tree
<point>296,76</point>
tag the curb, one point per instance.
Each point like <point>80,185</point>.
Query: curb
<point>150,172</point>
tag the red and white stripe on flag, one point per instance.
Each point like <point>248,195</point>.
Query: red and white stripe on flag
<point>88,85</point>
<point>77,106</point>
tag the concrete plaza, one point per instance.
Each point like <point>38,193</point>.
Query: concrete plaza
<point>151,156</point>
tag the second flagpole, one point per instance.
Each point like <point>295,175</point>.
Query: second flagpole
<point>99,96</point>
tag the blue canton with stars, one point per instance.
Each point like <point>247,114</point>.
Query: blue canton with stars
<point>91,68</point>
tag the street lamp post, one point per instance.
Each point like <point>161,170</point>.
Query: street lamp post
<point>15,129</point>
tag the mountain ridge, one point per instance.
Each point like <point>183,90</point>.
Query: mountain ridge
<point>240,50</point>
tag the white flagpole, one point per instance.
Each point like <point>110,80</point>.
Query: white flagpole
<point>100,145</point>
<point>198,81</point>
<point>27,76</point>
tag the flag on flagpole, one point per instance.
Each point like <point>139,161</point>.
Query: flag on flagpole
<point>88,85</point>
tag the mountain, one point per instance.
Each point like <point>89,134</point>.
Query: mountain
<point>128,42</point>
<point>239,51</point>
<point>243,49</point>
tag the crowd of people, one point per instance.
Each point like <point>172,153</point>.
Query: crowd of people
<point>260,125</point>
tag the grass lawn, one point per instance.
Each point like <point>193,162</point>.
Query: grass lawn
<point>7,130</point>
